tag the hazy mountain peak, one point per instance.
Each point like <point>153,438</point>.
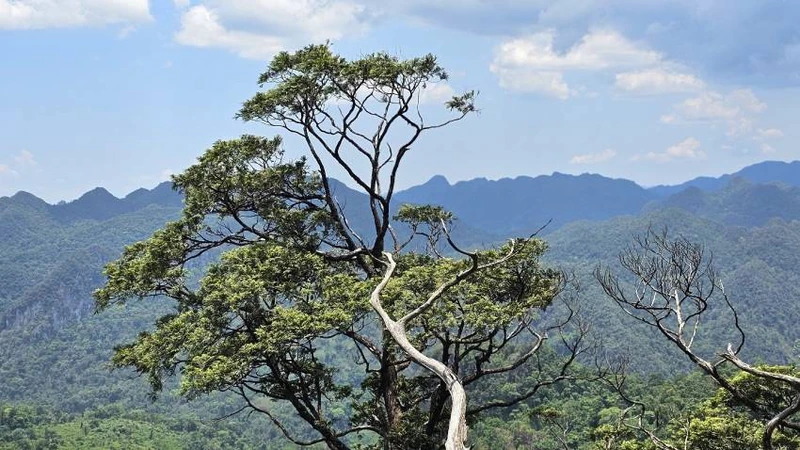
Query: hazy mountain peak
<point>24,198</point>
<point>137,193</point>
<point>760,173</point>
<point>437,181</point>
<point>163,194</point>
<point>98,193</point>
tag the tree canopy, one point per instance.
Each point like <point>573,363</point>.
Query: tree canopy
<point>373,335</point>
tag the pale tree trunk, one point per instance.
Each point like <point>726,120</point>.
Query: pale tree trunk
<point>457,429</point>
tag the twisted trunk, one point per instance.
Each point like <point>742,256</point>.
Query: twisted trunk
<point>457,428</point>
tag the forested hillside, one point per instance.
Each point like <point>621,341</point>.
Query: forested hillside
<point>54,351</point>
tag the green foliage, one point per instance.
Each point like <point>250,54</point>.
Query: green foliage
<point>313,76</point>
<point>254,285</point>
<point>293,278</point>
<point>25,427</point>
<point>769,394</point>
<point>720,423</point>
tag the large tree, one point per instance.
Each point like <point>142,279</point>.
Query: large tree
<point>365,319</point>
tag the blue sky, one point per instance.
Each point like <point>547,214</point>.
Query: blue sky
<point>121,93</point>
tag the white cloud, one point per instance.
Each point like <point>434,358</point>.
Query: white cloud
<point>766,148</point>
<point>258,29</point>
<point>25,158</point>
<point>706,34</point>
<point>180,4</point>
<point>549,83</point>
<point>436,93</point>
<point>708,106</point>
<point>6,170</point>
<point>739,127</point>
<point>533,64</point>
<point>658,81</point>
<point>736,110</point>
<point>36,14</point>
<point>599,49</point>
<point>594,158</point>
<point>689,148</point>
<point>746,99</point>
<point>200,27</point>
<point>311,20</point>
<point>768,133</point>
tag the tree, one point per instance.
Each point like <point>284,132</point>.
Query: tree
<point>364,328</point>
<point>674,286</point>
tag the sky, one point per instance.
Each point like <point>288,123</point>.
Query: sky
<point>123,93</point>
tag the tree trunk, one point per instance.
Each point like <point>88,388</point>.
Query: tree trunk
<point>457,428</point>
<point>388,383</point>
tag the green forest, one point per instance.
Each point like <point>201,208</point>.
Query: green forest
<point>257,302</point>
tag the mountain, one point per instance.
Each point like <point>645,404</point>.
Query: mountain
<point>521,205</point>
<point>764,172</point>
<point>97,204</point>
<point>60,249</point>
<point>741,202</point>
<point>54,351</point>
<point>758,265</point>
<point>51,256</point>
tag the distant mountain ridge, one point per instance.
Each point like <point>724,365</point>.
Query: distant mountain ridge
<point>763,172</point>
<point>523,204</point>
<point>496,207</point>
<point>739,203</point>
<point>97,204</point>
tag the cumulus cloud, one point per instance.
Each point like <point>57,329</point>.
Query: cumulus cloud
<point>594,158</point>
<point>599,49</point>
<point>37,14</point>
<point>200,27</point>
<point>736,110</point>
<point>710,37</point>
<point>769,133</point>
<point>689,148</point>
<point>658,81</point>
<point>746,99</point>
<point>259,29</point>
<point>25,158</point>
<point>314,20</point>
<point>549,83</point>
<point>533,64</point>
<point>436,93</point>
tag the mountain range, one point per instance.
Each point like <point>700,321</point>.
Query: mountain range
<point>497,207</point>
<point>54,351</point>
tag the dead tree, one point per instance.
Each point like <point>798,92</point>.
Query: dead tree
<point>674,286</point>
